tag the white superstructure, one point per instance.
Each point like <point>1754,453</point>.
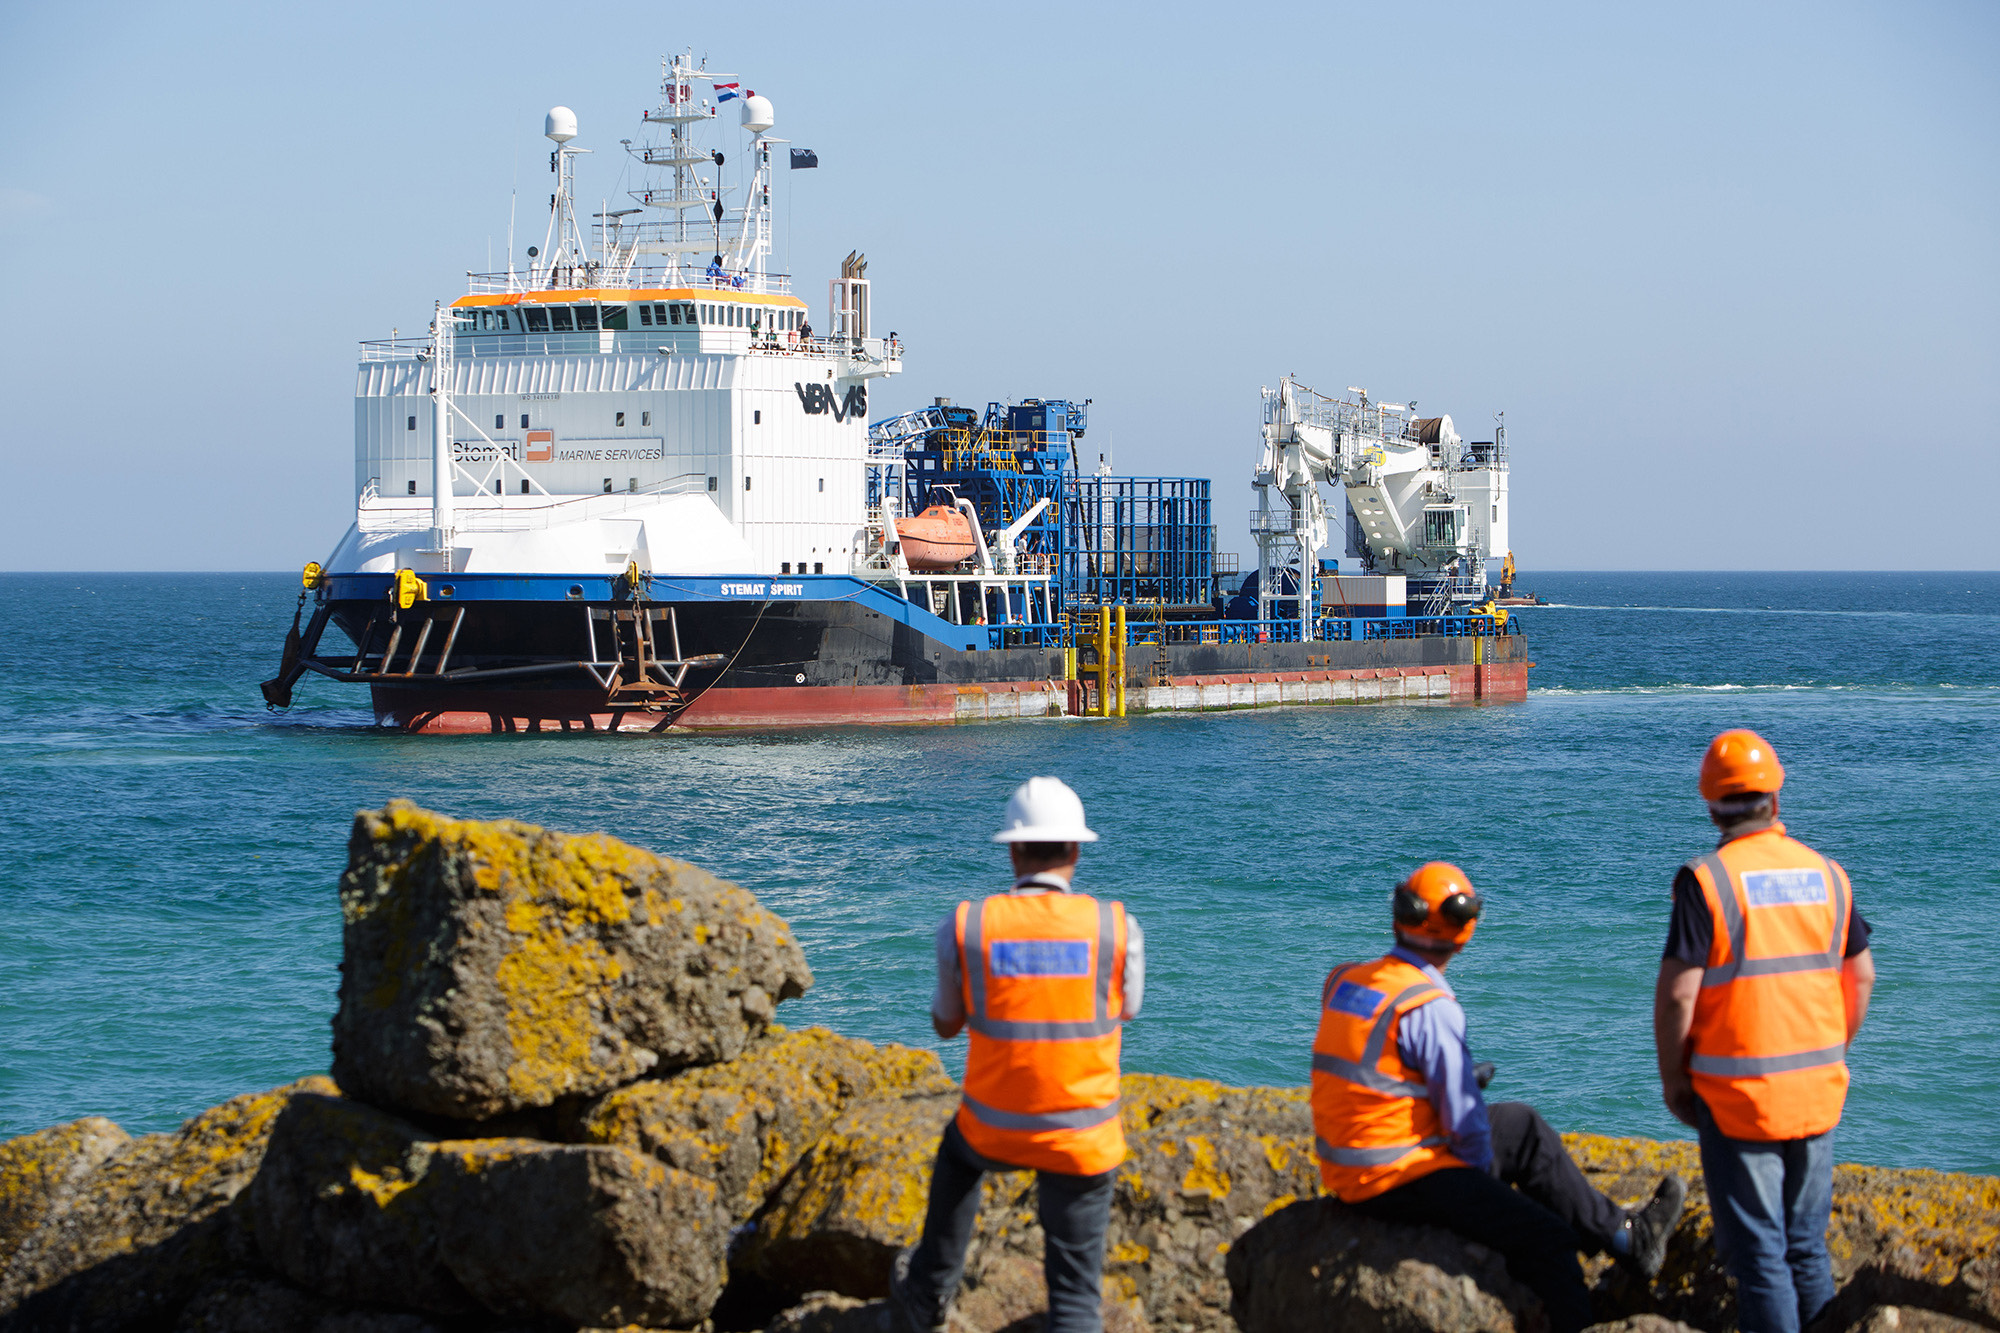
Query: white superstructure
<point>1420,502</point>
<point>663,399</point>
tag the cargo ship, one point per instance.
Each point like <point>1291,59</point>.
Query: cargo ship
<point>628,486</point>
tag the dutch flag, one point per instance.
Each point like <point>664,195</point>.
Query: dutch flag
<point>725,91</point>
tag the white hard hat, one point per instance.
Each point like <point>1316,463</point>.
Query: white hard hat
<point>1044,810</point>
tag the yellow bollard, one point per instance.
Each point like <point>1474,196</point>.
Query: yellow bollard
<point>1118,643</point>
<point>1104,661</point>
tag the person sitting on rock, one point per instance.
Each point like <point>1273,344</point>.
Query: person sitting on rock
<point>1044,977</point>
<point>1404,1133</point>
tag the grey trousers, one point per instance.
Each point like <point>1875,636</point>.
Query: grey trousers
<point>1075,1210</point>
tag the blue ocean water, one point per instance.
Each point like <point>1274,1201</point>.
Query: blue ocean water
<point>169,930</point>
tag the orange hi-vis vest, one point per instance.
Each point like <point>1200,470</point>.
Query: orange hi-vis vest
<point>1043,977</point>
<point>1769,1041</point>
<point>1374,1127</point>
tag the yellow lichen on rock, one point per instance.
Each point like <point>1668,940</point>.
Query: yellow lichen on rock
<point>151,1223</point>
<point>745,1123</point>
<point>853,1200</point>
<point>498,967</point>
<point>39,1171</point>
<point>1204,1176</point>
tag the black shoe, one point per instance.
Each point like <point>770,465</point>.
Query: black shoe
<point>902,1318</point>
<point>1652,1227</point>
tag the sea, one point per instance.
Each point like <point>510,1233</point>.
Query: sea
<point>169,848</point>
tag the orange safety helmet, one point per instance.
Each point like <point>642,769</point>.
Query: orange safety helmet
<point>1739,763</point>
<point>1437,907</point>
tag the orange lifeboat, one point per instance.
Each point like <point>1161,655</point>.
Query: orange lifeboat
<point>936,539</point>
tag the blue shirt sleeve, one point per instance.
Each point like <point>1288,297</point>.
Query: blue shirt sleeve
<point>1431,1039</point>
<point>948,1001</point>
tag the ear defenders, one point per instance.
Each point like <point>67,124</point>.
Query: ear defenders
<point>1458,910</point>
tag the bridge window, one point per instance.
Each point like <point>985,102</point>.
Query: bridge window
<point>536,319</point>
<point>646,316</point>
<point>586,317</point>
<point>687,313</point>
<point>786,568</point>
<point>559,319</point>
<point>673,313</point>
<point>819,567</point>
<point>612,317</point>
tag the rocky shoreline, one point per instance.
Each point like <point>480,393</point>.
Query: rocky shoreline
<point>559,1101</point>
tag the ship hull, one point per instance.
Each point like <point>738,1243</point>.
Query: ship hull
<point>817,664</point>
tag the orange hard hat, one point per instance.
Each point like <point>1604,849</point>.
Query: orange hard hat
<point>1738,763</point>
<point>1437,906</point>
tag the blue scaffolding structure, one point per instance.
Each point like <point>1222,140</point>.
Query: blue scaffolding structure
<point>1143,543</point>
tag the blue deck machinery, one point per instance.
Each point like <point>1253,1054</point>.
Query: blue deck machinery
<point>1132,552</point>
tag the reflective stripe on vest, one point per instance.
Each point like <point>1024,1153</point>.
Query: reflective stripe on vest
<point>1103,1024</point>
<point>1079,1119</point>
<point>1732,917</point>
<point>1756,1066</point>
<point>1370,1156</point>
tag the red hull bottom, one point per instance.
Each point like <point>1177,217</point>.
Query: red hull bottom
<point>734,709</point>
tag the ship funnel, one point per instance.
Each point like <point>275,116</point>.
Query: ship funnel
<point>560,125</point>
<point>757,114</point>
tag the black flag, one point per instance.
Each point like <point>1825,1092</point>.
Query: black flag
<point>804,157</point>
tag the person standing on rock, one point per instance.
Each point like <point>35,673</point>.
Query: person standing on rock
<point>1044,978</point>
<point>1404,1133</point>
<point>1764,984</point>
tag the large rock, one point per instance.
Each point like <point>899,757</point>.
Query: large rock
<point>855,1198</point>
<point>1205,1163</point>
<point>1923,1240</point>
<point>39,1173</point>
<point>1006,1292</point>
<point>491,967</point>
<point>251,1303</point>
<point>1317,1264</point>
<point>745,1123</point>
<point>134,1239</point>
<point>359,1206</point>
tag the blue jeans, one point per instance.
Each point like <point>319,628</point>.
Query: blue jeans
<point>1075,1212</point>
<point>1771,1202</point>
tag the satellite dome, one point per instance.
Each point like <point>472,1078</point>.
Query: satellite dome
<point>757,116</point>
<point>561,124</point>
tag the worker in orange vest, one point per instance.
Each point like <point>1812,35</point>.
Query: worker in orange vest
<point>1045,978</point>
<point>1763,985</point>
<point>1404,1134</point>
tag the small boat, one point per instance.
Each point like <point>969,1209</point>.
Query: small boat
<point>936,539</point>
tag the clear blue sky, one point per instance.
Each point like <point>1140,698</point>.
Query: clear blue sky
<point>1732,271</point>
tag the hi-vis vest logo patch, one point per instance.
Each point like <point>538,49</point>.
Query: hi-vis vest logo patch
<point>1784,888</point>
<point>817,398</point>
<point>1040,958</point>
<point>1361,1001</point>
